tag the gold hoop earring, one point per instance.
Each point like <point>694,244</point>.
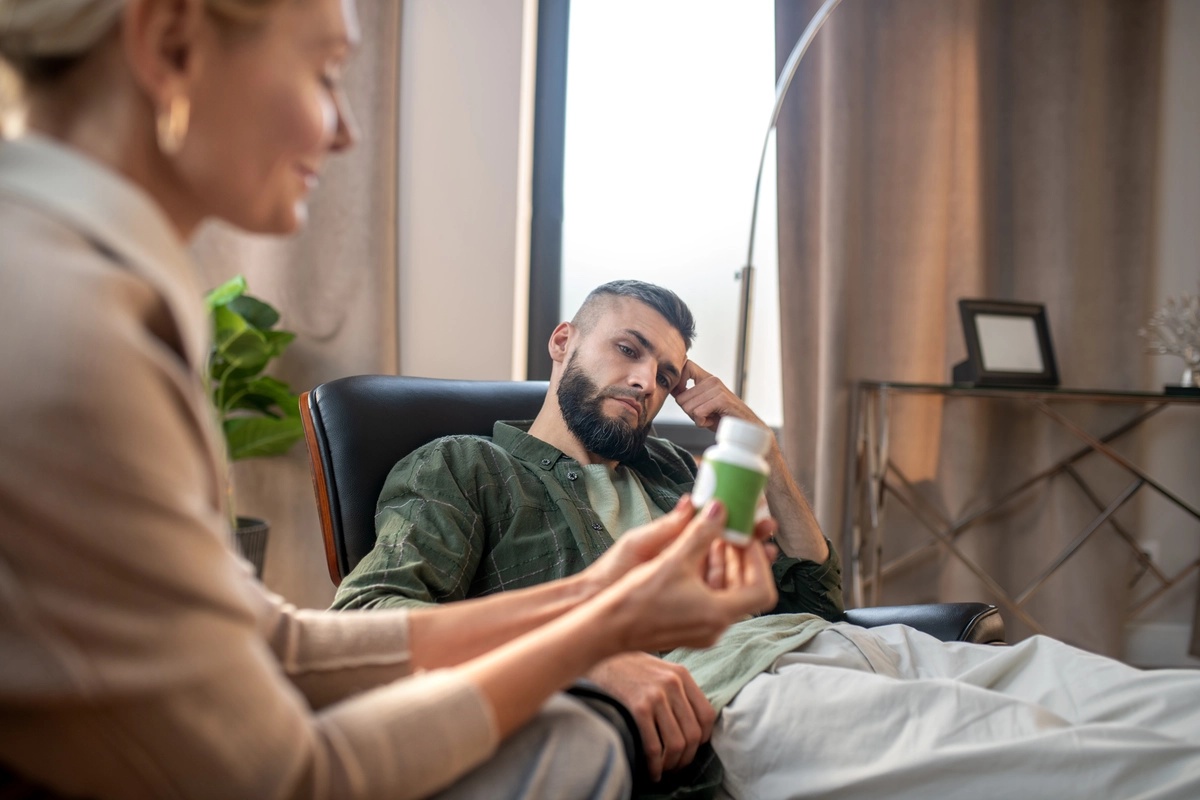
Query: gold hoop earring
<point>172,125</point>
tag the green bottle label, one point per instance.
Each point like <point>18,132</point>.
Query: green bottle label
<point>737,487</point>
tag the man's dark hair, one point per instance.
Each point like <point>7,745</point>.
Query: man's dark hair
<point>664,301</point>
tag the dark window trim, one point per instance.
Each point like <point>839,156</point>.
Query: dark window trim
<point>549,133</point>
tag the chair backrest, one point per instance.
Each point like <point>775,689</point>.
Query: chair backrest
<point>357,428</point>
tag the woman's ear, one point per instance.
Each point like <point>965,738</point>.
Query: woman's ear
<point>559,340</point>
<point>161,40</point>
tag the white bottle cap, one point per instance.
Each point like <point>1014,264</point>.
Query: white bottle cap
<point>754,438</point>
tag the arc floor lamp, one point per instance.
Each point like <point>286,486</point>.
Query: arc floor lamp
<point>746,274</point>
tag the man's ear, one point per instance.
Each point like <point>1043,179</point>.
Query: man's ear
<point>559,339</point>
<point>161,40</point>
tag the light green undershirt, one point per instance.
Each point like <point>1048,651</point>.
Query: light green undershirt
<point>618,498</point>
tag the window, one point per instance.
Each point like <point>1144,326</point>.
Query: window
<point>667,103</point>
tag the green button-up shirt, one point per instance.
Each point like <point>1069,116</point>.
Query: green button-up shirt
<point>466,516</point>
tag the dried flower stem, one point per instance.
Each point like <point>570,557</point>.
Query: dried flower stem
<point>1175,330</point>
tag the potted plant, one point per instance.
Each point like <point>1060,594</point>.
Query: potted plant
<point>259,414</point>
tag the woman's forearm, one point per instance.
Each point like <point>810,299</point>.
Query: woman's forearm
<point>447,635</point>
<point>517,678</point>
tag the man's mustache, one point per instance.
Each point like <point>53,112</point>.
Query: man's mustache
<point>631,394</point>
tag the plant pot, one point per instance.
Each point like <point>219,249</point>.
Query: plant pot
<point>251,538</point>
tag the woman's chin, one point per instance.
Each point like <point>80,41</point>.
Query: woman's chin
<point>281,223</point>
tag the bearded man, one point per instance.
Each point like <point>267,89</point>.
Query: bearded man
<point>467,516</point>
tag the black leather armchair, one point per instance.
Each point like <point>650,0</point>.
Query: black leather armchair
<point>357,428</point>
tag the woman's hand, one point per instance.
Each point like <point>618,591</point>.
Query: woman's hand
<point>724,559</point>
<point>673,601</point>
<point>639,545</point>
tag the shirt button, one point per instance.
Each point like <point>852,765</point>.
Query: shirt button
<point>545,462</point>
<point>596,526</point>
<point>572,476</point>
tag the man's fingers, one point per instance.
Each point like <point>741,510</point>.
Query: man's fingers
<point>651,744</point>
<point>671,738</point>
<point>684,730</point>
<point>706,716</point>
<point>694,371</point>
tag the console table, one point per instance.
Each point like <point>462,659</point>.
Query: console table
<point>871,477</point>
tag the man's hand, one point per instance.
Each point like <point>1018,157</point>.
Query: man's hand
<point>706,402</point>
<point>673,716</point>
<point>709,399</point>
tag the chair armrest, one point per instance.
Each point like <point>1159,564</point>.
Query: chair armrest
<point>980,623</point>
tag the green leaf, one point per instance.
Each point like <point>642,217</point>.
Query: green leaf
<point>256,313</point>
<point>240,351</point>
<point>269,396</point>
<point>226,292</point>
<point>278,340</point>
<point>226,324</point>
<point>260,414</point>
<point>252,437</point>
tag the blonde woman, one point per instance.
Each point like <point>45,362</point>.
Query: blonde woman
<point>138,656</point>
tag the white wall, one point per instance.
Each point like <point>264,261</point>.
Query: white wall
<point>466,116</point>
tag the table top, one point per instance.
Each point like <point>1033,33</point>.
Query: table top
<point>1028,392</point>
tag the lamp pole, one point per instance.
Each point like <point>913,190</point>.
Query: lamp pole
<point>746,273</point>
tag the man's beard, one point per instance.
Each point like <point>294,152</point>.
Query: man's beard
<point>581,403</point>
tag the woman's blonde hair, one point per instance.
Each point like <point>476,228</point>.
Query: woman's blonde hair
<point>43,39</point>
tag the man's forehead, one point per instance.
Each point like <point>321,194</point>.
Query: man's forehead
<point>628,315</point>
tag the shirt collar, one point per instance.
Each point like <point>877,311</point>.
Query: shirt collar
<point>117,216</point>
<point>514,437</point>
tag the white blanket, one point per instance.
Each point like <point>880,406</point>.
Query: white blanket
<point>893,713</point>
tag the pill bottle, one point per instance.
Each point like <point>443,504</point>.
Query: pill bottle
<point>735,472</point>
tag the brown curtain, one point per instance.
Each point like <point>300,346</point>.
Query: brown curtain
<point>932,150</point>
<point>335,285</point>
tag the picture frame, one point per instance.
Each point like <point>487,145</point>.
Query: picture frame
<point>1008,344</point>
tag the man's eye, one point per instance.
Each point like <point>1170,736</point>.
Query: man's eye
<point>626,349</point>
<point>663,382</point>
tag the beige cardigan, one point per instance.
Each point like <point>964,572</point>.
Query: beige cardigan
<point>138,655</point>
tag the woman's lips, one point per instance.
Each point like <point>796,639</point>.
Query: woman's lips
<point>310,176</point>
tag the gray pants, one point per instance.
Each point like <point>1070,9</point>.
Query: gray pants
<point>894,713</point>
<point>566,752</point>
